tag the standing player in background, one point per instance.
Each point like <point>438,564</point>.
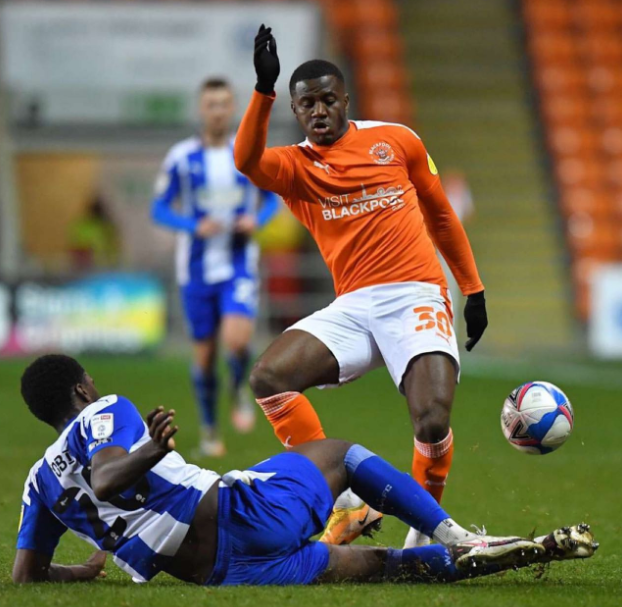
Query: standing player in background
<point>371,196</point>
<point>216,257</point>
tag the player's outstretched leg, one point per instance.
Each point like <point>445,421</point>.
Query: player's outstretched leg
<point>295,361</point>
<point>438,563</point>
<point>429,385</point>
<point>390,491</point>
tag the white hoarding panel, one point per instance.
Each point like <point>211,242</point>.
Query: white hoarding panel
<point>605,322</point>
<point>109,62</point>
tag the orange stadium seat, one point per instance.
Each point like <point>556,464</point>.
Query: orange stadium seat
<point>613,172</point>
<point>547,15</point>
<point>600,16</point>
<point>557,79</point>
<point>338,14</point>
<point>579,171</point>
<point>601,49</point>
<point>553,48</point>
<point>610,139</point>
<point>572,141</point>
<point>375,13</point>
<point>593,202</point>
<point>605,79</point>
<point>391,106</point>
<point>565,109</point>
<point>382,74</point>
<point>376,44</point>
<point>607,109</point>
<point>588,236</point>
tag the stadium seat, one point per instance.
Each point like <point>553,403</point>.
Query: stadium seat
<point>610,139</point>
<point>588,236</point>
<point>579,171</point>
<point>561,79</point>
<point>573,141</point>
<point>381,14</point>
<point>391,106</point>
<point>376,44</point>
<point>383,74</point>
<point>595,16</point>
<point>565,109</point>
<point>613,172</point>
<point>607,109</point>
<point>553,48</point>
<point>603,79</point>
<point>547,15</point>
<point>601,49</point>
<point>594,202</point>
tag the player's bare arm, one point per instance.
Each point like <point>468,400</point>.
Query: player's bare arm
<point>31,566</point>
<point>113,470</point>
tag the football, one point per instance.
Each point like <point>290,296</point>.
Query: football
<point>537,418</point>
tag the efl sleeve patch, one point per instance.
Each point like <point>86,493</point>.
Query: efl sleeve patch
<point>102,425</point>
<point>432,166</point>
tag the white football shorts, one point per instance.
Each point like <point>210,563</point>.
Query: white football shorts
<point>387,324</point>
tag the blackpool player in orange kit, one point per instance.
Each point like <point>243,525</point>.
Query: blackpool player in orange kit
<point>370,195</point>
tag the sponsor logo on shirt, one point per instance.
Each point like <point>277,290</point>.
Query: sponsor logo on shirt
<point>102,425</point>
<point>324,167</point>
<point>382,153</point>
<point>338,207</point>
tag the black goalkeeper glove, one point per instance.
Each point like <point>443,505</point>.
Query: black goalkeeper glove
<point>267,66</point>
<point>476,318</point>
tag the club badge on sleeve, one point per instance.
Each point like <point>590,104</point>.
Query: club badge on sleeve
<point>102,425</point>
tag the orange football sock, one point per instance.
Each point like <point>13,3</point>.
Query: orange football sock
<point>431,464</point>
<point>293,418</point>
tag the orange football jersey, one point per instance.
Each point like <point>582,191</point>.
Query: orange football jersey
<point>363,199</point>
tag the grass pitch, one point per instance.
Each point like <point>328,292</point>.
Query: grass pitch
<point>490,484</point>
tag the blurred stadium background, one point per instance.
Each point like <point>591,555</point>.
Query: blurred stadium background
<point>519,103</point>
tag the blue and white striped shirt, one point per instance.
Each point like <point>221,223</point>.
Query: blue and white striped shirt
<point>144,526</point>
<point>207,184</point>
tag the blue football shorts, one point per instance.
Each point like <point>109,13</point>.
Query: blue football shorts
<point>266,516</point>
<point>204,305</point>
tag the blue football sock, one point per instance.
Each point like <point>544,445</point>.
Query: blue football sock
<point>238,367</point>
<point>424,564</point>
<point>390,491</point>
<point>206,394</point>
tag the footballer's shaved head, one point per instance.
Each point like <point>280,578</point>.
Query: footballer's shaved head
<point>311,70</point>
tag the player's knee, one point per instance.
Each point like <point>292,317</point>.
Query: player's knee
<point>236,347</point>
<point>267,380</point>
<point>432,422</point>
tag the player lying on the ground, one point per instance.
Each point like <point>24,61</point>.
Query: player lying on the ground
<point>371,197</point>
<point>117,483</point>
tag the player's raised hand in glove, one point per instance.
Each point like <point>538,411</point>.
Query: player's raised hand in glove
<point>267,66</point>
<point>160,429</point>
<point>476,318</point>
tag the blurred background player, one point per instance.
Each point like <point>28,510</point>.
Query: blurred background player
<point>216,256</point>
